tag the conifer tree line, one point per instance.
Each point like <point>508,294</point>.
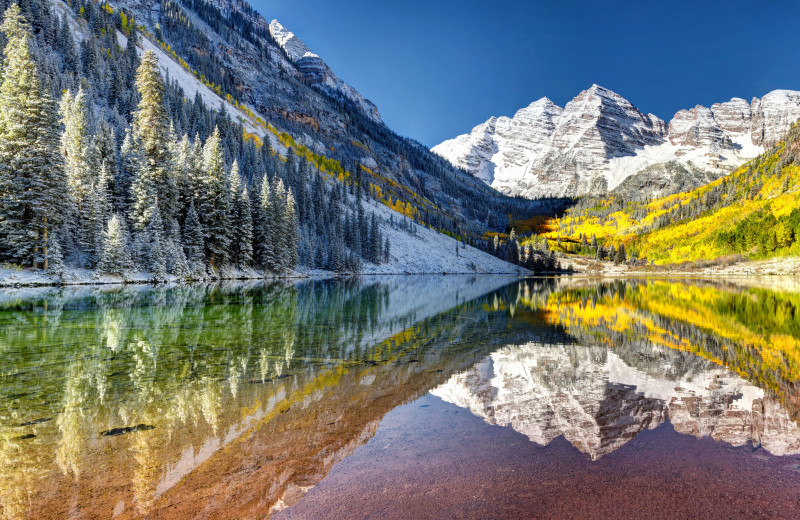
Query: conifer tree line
<point>101,179</point>
<point>534,255</point>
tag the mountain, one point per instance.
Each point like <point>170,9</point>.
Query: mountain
<point>285,93</point>
<point>600,143</point>
<point>752,213</point>
<point>192,139</point>
<point>316,72</point>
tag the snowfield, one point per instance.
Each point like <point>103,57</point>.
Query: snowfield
<point>427,251</point>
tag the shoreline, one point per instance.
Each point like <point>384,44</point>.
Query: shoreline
<point>36,279</point>
<point>782,266</point>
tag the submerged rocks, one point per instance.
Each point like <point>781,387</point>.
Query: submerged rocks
<point>127,429</point>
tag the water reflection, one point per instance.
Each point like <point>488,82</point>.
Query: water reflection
<point>598,401</point>
<point>714,360</point>
<point>233,401</point>
<point>110,399</point>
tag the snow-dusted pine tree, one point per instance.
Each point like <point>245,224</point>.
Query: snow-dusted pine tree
<point>279,225</point>
<point>151,134</point>
<point>116,256</point>
<point>244,230</point>
<point>194,243</point>
<point>158,248</point>
<point>266,247</point>
<point>32,180</point>
<point>75,145</point>
<point>56,258</point>
<point>214,203</point>
<point>291,258</point>
<point>176,258</point>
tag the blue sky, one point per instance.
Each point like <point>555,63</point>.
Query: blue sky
<point>437,68</point>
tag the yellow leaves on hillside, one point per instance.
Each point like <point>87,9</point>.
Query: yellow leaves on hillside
<point>254,138</point>
<point>404,208</point>
<point>688,241</point>
<point>632,314</point>
<point>698,224</point>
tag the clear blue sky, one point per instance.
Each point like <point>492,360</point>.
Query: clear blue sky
<point>436,68</point>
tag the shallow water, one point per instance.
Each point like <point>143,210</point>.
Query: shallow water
<point>398,397</point>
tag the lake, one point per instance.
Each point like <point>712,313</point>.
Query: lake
<point>402,397</point>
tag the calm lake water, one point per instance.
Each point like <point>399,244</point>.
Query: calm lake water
<point>402,397</point>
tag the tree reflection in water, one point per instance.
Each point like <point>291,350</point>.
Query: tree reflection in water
<point>233,400</point>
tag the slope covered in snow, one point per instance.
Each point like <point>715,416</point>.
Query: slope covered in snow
<point>601,143</point>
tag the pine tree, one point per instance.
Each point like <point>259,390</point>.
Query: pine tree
<point>56,258</point>
<point>280,225</point>
<point>116,256</point>
<point>151,134</point>
<point>290,234</point>
<point>176,258</point>
<point>193,241</point>
<point>32,180</point>
<point>267,257</point>
<point>621,256</point>
<point>241,219</point>
<point>75,144</point>
<point>245,230</point>
<point>184,171</point>
<point>157,254</point>
<point>214,202</point>
<point>513,248</point>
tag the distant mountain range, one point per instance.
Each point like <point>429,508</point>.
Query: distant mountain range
<point>601,143</point>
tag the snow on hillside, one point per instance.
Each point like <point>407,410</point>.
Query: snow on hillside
<point>191,86</point>
<point>172,69</point>
<point>621,168</point>
<point>424,252</point>
<point>430,252</point>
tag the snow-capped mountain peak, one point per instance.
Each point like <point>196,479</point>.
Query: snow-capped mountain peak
<point>316,72</point>
<point>293,45</point>
<point>600,142</point>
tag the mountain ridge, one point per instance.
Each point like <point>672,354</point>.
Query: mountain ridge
<point>599,140</point>
<point>316,72</point>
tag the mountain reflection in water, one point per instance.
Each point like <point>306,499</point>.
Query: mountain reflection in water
<point>234,401</point>
<point>599,402</point>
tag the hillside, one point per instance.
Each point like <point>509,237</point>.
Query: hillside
<point>267,70</point>
<point>193,140</point>
<point>754,212</point>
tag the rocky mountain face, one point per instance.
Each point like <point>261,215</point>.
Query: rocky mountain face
<point>599,400</point>
<point>277,80</point>
<point>599,143</point>
<point>316,72</point>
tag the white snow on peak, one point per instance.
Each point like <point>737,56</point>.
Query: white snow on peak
<point>316,71</point>
<point>599,139</point>
<point>293,45</point>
